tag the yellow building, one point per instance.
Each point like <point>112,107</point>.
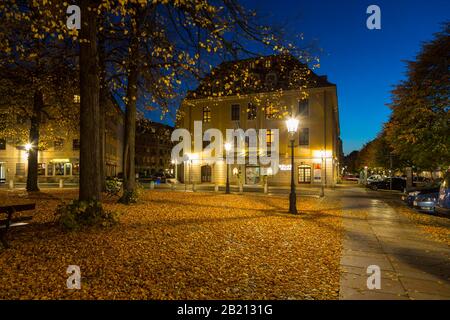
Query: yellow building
<point>61,159</point>
<point>274,90</point>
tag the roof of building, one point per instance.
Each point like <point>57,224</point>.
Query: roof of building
<point>258,75</point>
<point>144,125</point>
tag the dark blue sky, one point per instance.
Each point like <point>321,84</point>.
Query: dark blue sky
<point>365,64</point>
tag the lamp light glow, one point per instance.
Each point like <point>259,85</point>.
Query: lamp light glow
<point>292,125</point>
<point>28,147</point>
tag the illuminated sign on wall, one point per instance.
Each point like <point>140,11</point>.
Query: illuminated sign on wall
<point>284,167</point>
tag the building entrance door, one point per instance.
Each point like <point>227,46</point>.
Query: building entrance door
<point>206,173</point>
<point>304,174</point>
<point>2,172</point>
<point>252,175</point>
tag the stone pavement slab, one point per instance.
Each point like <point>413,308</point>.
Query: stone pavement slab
<point>413,266</point>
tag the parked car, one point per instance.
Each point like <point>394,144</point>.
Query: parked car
<point>171,179</point>
<point>443,201</point>
<point>160,177</point>
<point>432,187</point>
<point>420,181</point>
<point>350,177</point>
<point>426,201</point>
<point>374,178</point>
<point>397,184</point>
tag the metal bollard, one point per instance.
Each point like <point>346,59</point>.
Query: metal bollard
<point>241,188</point>
<point>152,185</point>
<point>266,189</point>
<point>61,183</point>
<point>193,187</point>
<point>216,187</point>
<point>11,184</point>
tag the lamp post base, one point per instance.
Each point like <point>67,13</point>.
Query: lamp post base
<point>293,203</point>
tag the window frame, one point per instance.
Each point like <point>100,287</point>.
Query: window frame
<point>2,144</point>
<point>235,112</point>
<point>301,135</point>
<point>206,118</point>
<point>304,103</point>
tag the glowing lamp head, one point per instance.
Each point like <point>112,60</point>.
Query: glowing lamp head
<point>28,147</point>
<point>269,171</point>
<point>227,146</point>
<point>292,125</point>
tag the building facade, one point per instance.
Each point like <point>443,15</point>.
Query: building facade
<point>60,160</point>
<point>153,148</point>
<point>313,102</point>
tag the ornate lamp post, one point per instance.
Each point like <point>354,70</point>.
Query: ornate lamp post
<point>227,187</point>
<point>292,126</point>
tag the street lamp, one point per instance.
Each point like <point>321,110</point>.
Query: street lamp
<point>227,187</point>
<point>28,147</point>
<point>186,167</point>
<point>292,126</point>
<point>322,166</point>
<point>175,164</point>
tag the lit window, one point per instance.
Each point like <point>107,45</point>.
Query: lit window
<point>267,64</point>
<point>269,137</point>
<point>75,169</point>
<point>59,169</point>
<point>206,115</point>
<point>41,169</point>
<point>76,98</point>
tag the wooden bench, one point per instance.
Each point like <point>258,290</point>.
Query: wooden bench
<point>11,220</point>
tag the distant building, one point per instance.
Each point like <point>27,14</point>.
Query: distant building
<point>61,159</point>
<point>270,83</point>
<point>153,148</point>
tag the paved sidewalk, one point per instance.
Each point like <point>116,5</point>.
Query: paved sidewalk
<point>413,266</point>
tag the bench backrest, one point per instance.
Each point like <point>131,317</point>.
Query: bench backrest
<point>18,207</point>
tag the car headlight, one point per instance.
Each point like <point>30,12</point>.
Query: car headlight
<point>414,194</point>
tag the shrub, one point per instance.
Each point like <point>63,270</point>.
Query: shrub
<point>133,196</point>
<point>113,187</point>
<point>77,214</point>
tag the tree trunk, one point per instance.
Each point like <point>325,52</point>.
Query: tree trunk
<point>130,132</point>
<point>32,172</point>
<point>130,125</point>
<point>102,132</point>
<point>103,111</point>
<point>90,175</point>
